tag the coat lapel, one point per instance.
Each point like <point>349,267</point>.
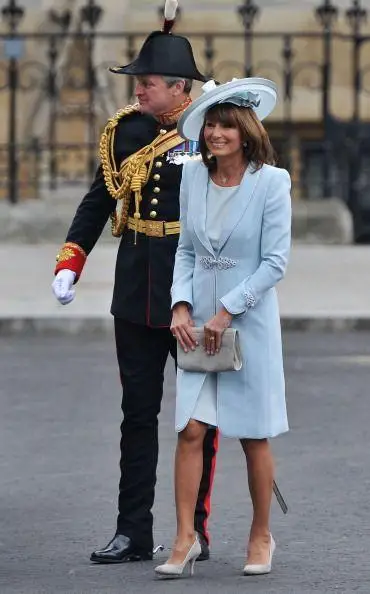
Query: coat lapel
<point>239,204</point>
<point>199,206</point>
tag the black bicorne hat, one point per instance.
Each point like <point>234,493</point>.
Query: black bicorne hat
<point>164,54</point>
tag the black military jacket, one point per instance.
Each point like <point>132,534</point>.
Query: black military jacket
<point>144,271</point>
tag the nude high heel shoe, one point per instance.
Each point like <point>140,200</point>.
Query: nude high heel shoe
<point>176,570</point>
<point>254,569</point>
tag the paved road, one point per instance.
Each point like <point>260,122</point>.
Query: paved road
<point>59,434</point>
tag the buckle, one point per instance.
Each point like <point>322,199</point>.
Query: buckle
<point>154,228</point>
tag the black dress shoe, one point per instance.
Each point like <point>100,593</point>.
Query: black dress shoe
<point>121,549</point>
<point>204,556</point>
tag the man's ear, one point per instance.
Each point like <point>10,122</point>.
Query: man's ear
<point>178,88</point>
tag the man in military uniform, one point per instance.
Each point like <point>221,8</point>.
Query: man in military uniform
<point>137,186</point>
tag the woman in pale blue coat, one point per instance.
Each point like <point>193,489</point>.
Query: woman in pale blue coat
<point>233,250</point>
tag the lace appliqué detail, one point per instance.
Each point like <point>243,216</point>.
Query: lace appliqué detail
<point>250,299</point>
<point>210,263</point>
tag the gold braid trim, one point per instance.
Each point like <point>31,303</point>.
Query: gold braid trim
<point>69,250</point>
<point>115,187</point>
<point>133,173</point>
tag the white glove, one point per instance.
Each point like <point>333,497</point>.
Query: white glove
<point>62,286</point>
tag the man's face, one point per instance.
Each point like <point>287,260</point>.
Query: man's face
<point>154,96</point>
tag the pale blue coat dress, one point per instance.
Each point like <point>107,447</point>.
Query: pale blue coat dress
<point>239,269</point>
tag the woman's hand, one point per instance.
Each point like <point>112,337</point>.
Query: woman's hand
<point>214,329</point>
<point>182,327</point>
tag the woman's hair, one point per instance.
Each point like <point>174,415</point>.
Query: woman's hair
<point>258,148</point>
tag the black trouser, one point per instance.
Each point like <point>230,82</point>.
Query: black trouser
<point>142,353</point>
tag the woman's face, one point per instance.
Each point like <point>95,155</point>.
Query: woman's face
<point>222,140</point>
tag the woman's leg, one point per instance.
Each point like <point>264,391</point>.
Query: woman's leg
<point>188,473</point>
<point>260,466</point>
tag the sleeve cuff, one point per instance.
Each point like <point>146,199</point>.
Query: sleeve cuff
<point>71,257</point>
<point>177,298</point>
<point>238,301</point>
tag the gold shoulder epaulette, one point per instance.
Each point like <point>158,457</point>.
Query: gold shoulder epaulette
<point>121,113</point>
<point>109,166</point>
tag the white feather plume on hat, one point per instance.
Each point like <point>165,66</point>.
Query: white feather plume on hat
<point>170,10</point>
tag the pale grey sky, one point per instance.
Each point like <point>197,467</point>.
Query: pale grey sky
<point>195,5</point>
<point>25,3</point>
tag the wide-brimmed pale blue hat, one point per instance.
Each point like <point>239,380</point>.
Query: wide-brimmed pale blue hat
<point>260,94</point>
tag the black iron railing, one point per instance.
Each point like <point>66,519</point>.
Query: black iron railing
<point>332,153</point>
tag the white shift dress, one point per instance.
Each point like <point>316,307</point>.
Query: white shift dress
<point>217,201</point>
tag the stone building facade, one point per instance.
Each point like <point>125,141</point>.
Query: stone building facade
<point>70,110</point>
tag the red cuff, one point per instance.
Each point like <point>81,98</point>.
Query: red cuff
<point>71,257</point>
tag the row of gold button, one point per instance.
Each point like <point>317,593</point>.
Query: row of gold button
<point>156,189</point>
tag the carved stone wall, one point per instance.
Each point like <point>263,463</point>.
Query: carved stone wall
<point>196,16</point>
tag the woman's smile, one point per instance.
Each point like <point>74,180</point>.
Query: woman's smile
<point>218,144</point>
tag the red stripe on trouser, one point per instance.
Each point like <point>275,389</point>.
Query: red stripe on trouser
<point>207,499</point>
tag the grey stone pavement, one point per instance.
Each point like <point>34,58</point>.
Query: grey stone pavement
<point>59,440</point>
<point>326,287</point>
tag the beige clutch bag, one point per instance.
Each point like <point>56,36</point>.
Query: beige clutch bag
<point>228,359</point>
